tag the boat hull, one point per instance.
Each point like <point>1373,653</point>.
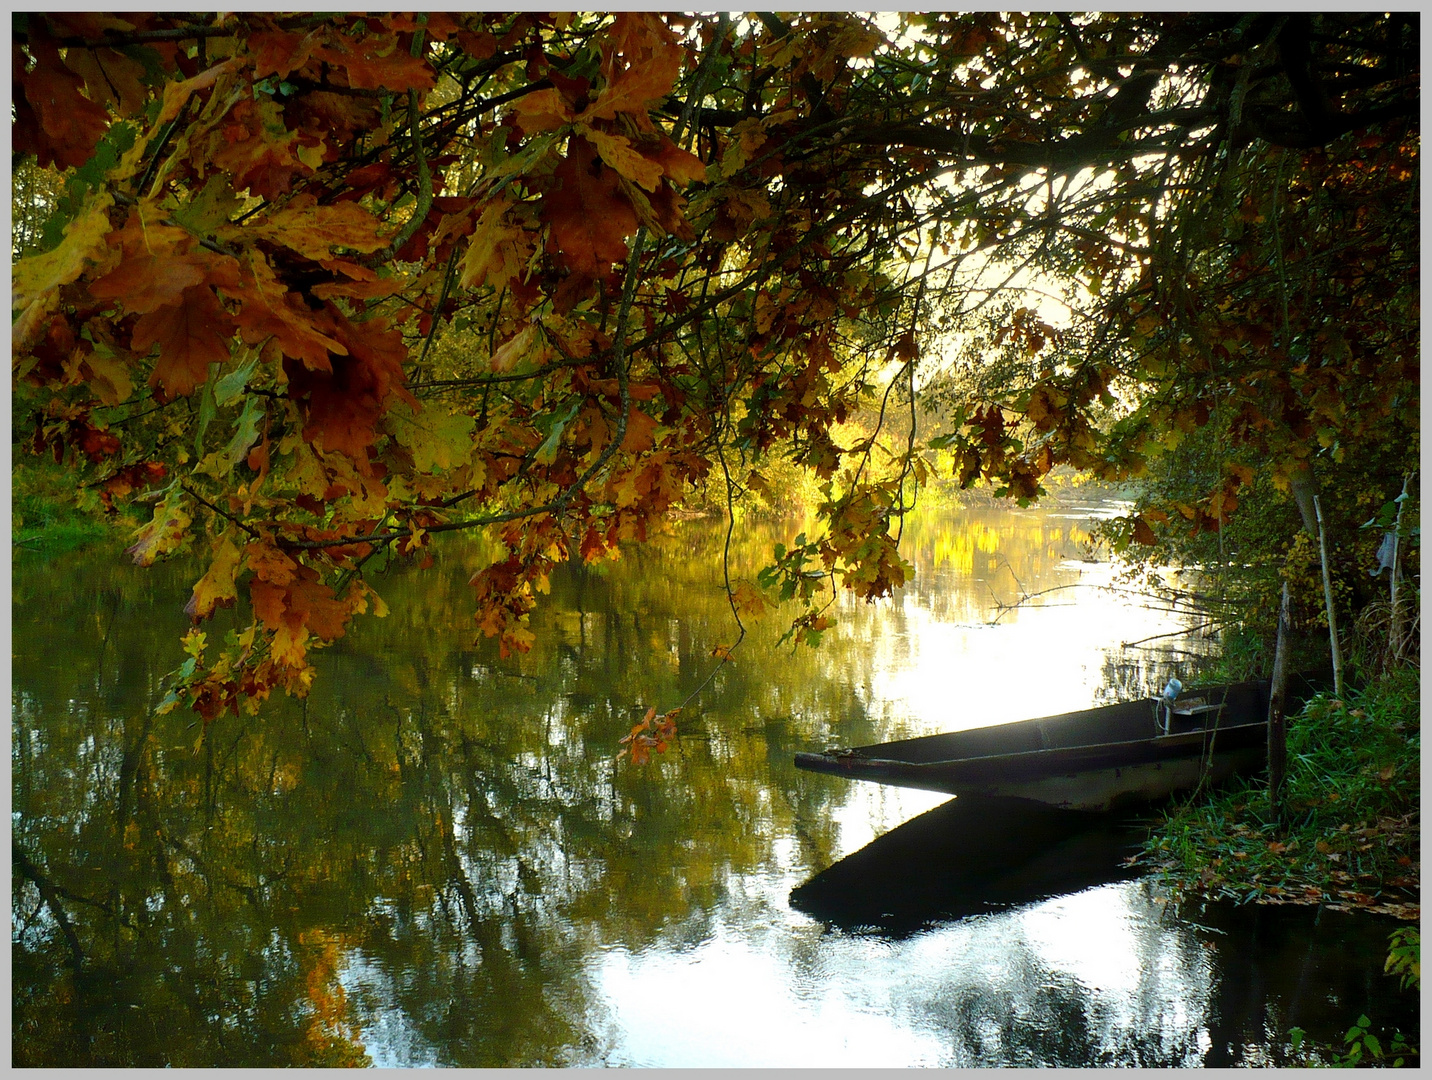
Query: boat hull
<point>1095,760</point>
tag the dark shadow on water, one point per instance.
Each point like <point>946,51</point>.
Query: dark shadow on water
<point>967,857</point>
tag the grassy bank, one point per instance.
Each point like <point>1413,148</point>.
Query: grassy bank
<point>1349,839</point>
<point>1350,834</point>
<point>49,516</point>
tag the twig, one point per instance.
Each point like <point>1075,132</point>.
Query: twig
<point>222,513</point>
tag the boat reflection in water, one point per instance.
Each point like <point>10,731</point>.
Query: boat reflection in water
<point>1026,931</point>
<point>970,856</point>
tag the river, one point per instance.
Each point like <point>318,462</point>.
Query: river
<point>436,859</point>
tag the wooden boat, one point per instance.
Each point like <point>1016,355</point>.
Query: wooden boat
<point>1097,759</point>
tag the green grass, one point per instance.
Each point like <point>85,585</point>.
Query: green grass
<point>48,516</point>
<point>1351,831</point>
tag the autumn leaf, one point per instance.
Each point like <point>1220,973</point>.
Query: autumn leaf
<point>587,216</point>
<point>680,165</point>
<point>498,250</point>
<point>216,588</point>
<point>147,282</point>
<point>176,95</point>
<point>618,152</point>
<point>507,355</point>
<point>438,440</point>
<point>59,123</point>
<point>191,335</point>
<point>314,231</point>
<point>83,245</point>
<point>163,533</point>
<point>653,60</point>
<point>542,110</point>
<point>263,557</point>
<point>749,601</point>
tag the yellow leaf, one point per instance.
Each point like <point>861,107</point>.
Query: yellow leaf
<point>437,440</point>
<point>193,643</point>
<point>498,250</point>
<point>618,152</point>
<point>83,243</point>
<point>314,231</point>
<point>746,139</point>
<point>163,533</point>
<point>216,588</point>
<point>109,378</point>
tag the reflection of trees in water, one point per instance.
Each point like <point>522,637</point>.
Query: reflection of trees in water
<point>453,820</point>
<point>437,839</point>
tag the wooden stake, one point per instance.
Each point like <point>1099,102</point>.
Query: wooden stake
<point>1394,626</point>
<point>1328,601</point>
<point>1277,721</point>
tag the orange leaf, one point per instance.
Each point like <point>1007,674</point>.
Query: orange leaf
<point>177,94</point>
<point>376,62</point>
<point>146,282</point>
<point>270,310</point>
<point>680,165</point>
<point>191,336</point>
<point>312,604</point>
<point>268,601</point>
<point>653,60</point>
<point>542,110</point>
<point>268,563</point>
<point>639,432</point>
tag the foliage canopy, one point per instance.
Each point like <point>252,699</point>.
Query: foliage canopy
<point>319,286</point>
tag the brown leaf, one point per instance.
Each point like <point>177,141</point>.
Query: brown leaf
<point>59,123</point>
<point>191,335</point>
<point>587,216</point>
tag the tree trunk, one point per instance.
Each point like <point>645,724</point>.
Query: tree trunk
<point>1328,601</point>
<point>1277,723</point>
<point>1304,494</point>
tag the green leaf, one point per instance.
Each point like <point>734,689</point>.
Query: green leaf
<point>547,452</point>
<point>207,410</point>
<point>246,431</point>
<point>437,440</point>
<point>210,208</point>
<point>227,389</point>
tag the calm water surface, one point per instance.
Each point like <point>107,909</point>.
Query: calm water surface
<point>436,860</point>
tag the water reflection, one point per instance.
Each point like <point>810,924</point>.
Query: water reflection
<point>435,859</point>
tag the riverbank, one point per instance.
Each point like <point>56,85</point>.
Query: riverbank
<point>1351,834</point>
<point>49,516</point>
